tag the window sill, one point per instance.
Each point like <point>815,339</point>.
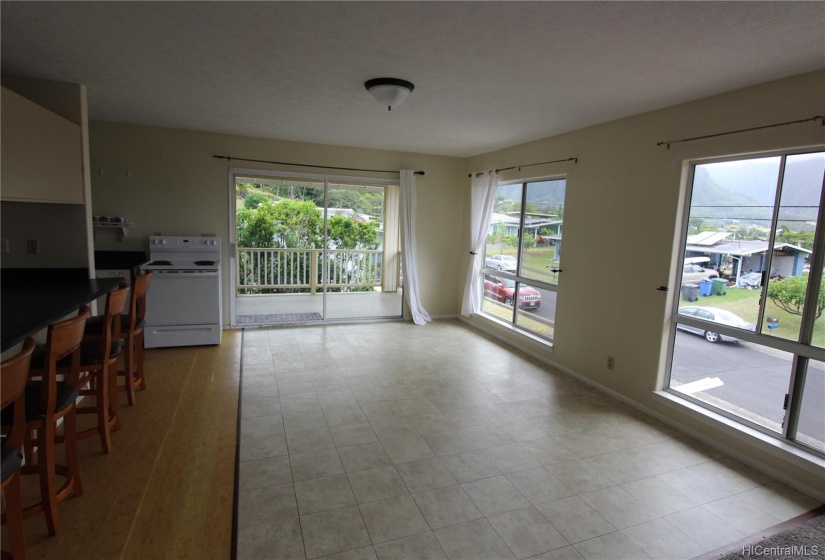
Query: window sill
<point>494,326</point>
<point>797,456</point>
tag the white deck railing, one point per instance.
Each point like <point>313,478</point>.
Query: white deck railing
<point>300,269</point>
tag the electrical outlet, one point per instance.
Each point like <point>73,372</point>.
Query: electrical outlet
<point>32,246</point>
<point>610,362</point>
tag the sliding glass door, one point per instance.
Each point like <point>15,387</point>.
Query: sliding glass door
<point>310,250</point>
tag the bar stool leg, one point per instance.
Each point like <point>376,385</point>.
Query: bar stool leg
<point>103,409</point>
<point>46,465</point>
<point>129,370</point>
<point>114,407</point>
<point>139,352</point>
<point>14,518</point>
<point>72,460</point>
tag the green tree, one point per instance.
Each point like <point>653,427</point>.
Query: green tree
<point>789,294</point>
<point>254,200</point>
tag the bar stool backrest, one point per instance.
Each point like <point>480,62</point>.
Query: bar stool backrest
<point>14,373</point>
<point>137,313</point>
<point>115,303</point>
<point>64,338</point>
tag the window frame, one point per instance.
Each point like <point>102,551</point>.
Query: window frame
<point>802,352</point>
<point>517,277</point>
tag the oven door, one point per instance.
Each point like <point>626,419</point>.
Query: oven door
<point>179,297</point>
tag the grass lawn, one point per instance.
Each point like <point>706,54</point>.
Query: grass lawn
<point>536,262</point>
<point>745,303</point>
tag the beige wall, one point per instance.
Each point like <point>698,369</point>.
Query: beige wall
<point>166,180</point>
<point>60,230</point>
<point>622,221</point>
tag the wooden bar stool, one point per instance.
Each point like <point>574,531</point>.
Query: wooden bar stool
<point>14,373</point>
<point>132,331</point>
<point>47,401</point>
<point>98,365</point>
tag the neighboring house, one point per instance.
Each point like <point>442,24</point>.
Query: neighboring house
<point>749,255</point>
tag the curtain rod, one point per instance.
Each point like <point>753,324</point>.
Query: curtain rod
<point>669,142</point>
<point>230,158</point>
<point>574,160</point>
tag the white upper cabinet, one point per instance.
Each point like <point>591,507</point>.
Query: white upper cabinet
<point>41,154</point>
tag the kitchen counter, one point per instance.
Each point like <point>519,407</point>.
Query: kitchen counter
<point>28,307</point>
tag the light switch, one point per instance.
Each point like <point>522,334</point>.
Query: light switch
<point>4,246</point>
<point>32,246</point>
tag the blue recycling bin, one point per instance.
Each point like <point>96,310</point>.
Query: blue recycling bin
<point>705,287</point>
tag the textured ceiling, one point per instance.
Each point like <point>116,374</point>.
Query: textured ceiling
<point>488,75</point>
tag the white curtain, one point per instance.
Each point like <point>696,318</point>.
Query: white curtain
<point>392,241</point>
<point>408,254</point>
<point>482,197</point>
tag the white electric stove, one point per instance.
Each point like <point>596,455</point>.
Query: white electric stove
<point>183,306</point>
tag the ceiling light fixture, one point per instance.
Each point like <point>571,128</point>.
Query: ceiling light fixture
<point>389,91</point>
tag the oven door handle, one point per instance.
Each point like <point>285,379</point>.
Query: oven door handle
<point>184,274</point>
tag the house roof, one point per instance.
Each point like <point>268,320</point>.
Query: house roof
<point>487,75</point>
<point>743,248</point>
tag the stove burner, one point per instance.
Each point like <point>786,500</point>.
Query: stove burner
<point>205,263</point>
<point>161,263</point>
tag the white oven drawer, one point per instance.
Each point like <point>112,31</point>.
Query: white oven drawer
<point>194,335</point>
<point>177,298</point>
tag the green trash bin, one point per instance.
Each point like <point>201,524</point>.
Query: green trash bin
<point>720,286</point>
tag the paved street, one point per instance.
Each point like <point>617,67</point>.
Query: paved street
<point>754,380</point>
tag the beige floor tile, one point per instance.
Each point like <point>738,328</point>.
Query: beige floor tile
<point>421,405</point>
<point>494,495</point>
<point>510,458</point>
<point>731,475</point>
<point>663,541</point>
<point>467,417</point>
<point>442,507</point>
<point>448,443</point>
<point>779,500</point>
<point>425,474</point>
<point>565,553</point>
<point>392,518</point>
<point>658,496</point>
<point>296,421</point>
<point>272,445</point>
<point>744,516</point>
<point>703,527</point>
<point>261,426</point>
<point>344,415</point>
<point>695,486</point>
<point>268,504</point>
<point>486,435</point>
<point>352,434</point>
<point>273,539</point>
<point>474,540</point>
<point>574,519</point>
<point>366,553</point>
<point>264,472</point>
<point>614,546</point>
<point>315,464</point>
<point>423,546</point>
<point>469,466</point>
<point>619,507</point>
<point>381,409</point>
<point>376,484</point>
<point>580,476</point>
<point>526,532</point>
<point>539,485</point>
<point>547,451</point>
<point>331,532</point>
<point>260,407</point>
<point>365,456</point>
<point>321,494</point>
<point>393,427</point>
<point>407,449</point>
<point>310,439</point>
<point>432,423</point>
<point>519,429</point>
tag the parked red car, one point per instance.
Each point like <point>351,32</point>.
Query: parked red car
<point>503,290</point>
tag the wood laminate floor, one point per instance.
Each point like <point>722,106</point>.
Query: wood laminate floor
<point>166,489</point>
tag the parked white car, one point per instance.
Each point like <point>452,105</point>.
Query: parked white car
<point>501,262</point>
<point>716,315</point>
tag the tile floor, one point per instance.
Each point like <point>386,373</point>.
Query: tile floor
<point>388,440</point>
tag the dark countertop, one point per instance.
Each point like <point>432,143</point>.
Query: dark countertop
<point>119,260</point>
<point>30,307</point>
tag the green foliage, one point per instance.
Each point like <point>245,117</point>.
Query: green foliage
<point>529,241</point>
<point>345,233</point>
<point>254,200</point>
<point>789,294</point>
<point>801,238</point>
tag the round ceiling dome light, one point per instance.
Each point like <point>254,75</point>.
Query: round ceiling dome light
<point>389,91</point>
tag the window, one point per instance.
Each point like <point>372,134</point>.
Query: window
<point>751,288</point>
<point>523,255</point>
